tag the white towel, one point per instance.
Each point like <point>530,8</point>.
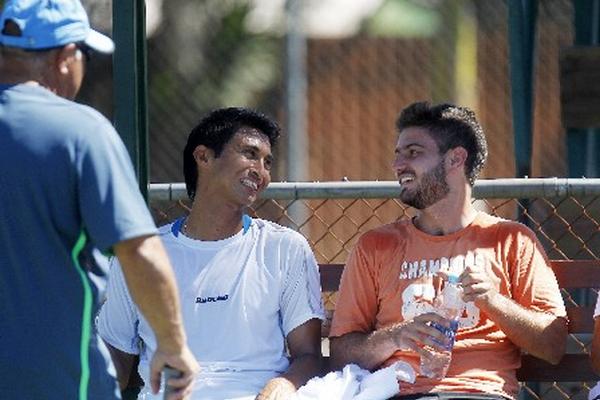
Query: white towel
<point>595,391</point>
<point>355,383</point>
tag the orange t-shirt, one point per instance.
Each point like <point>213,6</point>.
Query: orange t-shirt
<point>391,276</point>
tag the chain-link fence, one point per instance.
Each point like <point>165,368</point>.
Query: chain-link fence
<point>564,213</point>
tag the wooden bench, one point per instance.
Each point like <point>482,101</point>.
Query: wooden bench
<point>571,274</point>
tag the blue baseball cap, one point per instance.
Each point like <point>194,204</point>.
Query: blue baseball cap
<point>46,24</point>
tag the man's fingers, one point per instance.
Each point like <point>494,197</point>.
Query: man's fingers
<point>179,387</point>
<point>420,332</point>
<point>179,394</point>
<point>155,375</point>
<point>180,382</point>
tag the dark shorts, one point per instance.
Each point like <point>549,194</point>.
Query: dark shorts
<point>451,396</point>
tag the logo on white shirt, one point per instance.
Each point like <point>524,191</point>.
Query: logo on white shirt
<point>211,299</point>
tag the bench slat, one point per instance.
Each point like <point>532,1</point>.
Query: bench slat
<point>581,319</point>
<point>577,274</point>
<point>330,276</point>
<point>572,368</point>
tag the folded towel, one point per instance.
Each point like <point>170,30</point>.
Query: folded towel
<point>355,383</point>
<point>383,384</point>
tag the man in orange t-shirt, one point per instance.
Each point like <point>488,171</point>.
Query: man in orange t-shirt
<point>385,306</point>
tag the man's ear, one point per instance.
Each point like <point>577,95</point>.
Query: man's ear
<point>66,56</point>
<point>202,154</point>
<point>457,157</point>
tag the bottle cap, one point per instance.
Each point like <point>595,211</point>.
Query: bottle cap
<point>452,279</point>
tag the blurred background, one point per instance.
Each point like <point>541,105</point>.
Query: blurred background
<point>336,73</point>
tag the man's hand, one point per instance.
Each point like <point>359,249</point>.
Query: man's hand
<point>184,362</point>
<point>370,350</point>
<point>277,389</point>
<point>479,286</point>
<point>419,332</point>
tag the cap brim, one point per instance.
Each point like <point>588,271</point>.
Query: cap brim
<point>99,42</point>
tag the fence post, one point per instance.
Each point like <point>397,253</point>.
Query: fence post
<point>129,63</point>
<point>583,144</point>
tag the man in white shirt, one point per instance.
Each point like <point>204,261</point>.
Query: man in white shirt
<point>248,287</point>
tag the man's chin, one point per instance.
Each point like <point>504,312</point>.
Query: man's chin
<point>412,202</point>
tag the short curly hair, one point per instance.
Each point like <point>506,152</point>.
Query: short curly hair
<point>450,126</point>
<point>216,129</point>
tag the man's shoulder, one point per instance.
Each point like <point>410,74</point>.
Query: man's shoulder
<point>54,116</point>
<point>165,232</point>
<point>165,229</point>
<point>59,107</point>
<point>504,227</point>
<point>393,231</point>
<point>274,229</point>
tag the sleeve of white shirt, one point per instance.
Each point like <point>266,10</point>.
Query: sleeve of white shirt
<point>300,298</point>
<point>597,309</point>
<point>118,319</point>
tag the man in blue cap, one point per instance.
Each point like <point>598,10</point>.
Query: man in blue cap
<point>67,192</point>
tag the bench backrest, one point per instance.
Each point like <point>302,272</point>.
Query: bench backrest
<point>571,274</point>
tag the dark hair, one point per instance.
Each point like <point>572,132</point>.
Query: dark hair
<point>450,126</point>
<point>215,130</point>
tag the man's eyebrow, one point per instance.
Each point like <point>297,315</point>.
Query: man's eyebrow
<point>409,145</point>
<point>255,148</point>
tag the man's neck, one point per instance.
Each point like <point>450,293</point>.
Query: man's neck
<point>448,215</point>
<point>211,221</point>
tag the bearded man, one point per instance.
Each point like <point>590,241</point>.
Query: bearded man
<point>385,310</point>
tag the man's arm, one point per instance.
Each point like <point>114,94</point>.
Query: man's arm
<point>150,280</point>
<point>541,335</point>
<point>304,344</point>
<point>370,350</point>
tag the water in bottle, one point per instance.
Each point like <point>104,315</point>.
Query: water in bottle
<point>435,363</point>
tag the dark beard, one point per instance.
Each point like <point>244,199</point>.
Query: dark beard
<point>433,188</point>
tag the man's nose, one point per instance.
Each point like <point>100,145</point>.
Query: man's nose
<point>399,163</point>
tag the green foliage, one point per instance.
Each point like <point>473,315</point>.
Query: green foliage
<point>204,57</point>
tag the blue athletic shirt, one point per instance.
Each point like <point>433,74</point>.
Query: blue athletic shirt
<point>67,190</point>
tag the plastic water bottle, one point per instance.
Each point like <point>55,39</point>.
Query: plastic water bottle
<point>435,364</point>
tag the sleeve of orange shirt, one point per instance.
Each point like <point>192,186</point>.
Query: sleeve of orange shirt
<point>356,306</point>
<point>534,284</point>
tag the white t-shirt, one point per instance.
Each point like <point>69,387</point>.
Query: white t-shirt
<point>240,297</point>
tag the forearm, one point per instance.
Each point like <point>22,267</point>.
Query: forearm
<point>152,286</point>
<point>539,334</point>
<point>368,350</point>
<point>302,369</point>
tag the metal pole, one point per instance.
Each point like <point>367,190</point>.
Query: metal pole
<point>504,188</point>
<point>591,168</point>
<point>582,144</point>
<point>522,21</point>
<point>129,63</point>
<point>297,147</point>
